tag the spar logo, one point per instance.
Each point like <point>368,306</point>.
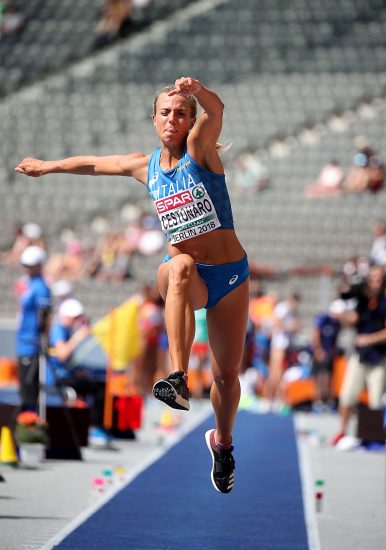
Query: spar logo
<point>174,201</point>
<point>198,192</point>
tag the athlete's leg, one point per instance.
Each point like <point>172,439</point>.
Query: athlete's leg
<point>227,324</point>
<point>183,291</point>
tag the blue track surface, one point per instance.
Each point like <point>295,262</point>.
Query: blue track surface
<point>173,505</point>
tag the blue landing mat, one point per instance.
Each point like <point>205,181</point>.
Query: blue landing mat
<point>173,506</point>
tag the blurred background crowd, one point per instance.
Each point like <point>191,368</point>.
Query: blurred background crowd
<point>304,86</point>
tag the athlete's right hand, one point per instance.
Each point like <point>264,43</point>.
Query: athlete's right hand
<point>30,167</point>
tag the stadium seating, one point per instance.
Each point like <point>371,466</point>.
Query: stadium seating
<point>59,33</point>
<point>282,72</point>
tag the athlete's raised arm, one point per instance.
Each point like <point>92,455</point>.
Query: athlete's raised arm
<point>134,165</point>
<point>202,139</point>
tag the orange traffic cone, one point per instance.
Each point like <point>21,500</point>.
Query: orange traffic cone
<point>7,452</point>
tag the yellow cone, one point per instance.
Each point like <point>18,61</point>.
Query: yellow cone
<point>7,452</point>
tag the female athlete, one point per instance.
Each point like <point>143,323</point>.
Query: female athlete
<point>206,265</point>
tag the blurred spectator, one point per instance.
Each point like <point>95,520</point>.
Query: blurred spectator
<point>249,383</point>
<point>261,309</point>
<point>115,22</point>
<point>12,255</point>
<point>151,239</point>
<point>366,365</point>
<point>366,174</point>
<point>132,234</point>
<point>12,19</point>
<point>66,333</point>
<point>261,316</point>
<point>35,302</point>
<point>329,181</point>
<point>61,290</point>
<point>114,256</point>
<point>324,338</point>
<point>69,265</point>
<point>354,273</point>
<point>250,174</point>
<point>286,325</point>
<point>29,234</point>
<point>33,233</point>
<point>378,248</point>
<point>151,322</point>
<point>141,5</point>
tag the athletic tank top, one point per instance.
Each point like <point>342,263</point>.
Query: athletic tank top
<point>190,200</point>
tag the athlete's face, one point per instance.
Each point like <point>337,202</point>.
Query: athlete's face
<point>173,118</point>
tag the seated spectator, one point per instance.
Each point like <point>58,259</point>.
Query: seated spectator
<point>114,255</point>
<point>12,19</point>
<point>250,174</point>
<point>114,23</point>
<point>67,265</point>
<point>11,255</point>
<point>29,234</point>
<point>329,181</point>
<point>366,174</point>
<point>61,290</point>
<point>66,333</point>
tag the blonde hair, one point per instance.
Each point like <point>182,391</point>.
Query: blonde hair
<point>191,100</point>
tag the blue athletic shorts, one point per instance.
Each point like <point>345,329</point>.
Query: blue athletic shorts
<point>221,278</point>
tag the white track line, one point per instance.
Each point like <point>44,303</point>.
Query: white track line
<point>307,487</point>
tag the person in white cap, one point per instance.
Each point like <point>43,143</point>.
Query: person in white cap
<point>61,291</point>
<point>35,303</point>
<point>70,328</point>
<point>66,333</point>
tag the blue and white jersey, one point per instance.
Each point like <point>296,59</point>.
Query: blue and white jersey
<point>190,200</point>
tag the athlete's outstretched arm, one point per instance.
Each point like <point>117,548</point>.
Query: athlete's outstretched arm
<point>134,165</point>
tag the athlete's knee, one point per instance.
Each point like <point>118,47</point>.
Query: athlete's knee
<point>226,379</point>
<point>182,269</point>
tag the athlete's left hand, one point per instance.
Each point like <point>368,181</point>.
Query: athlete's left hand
<point>186,86</point>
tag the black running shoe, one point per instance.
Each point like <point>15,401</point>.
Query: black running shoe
<point>223,469</point>
<point>173,391</point>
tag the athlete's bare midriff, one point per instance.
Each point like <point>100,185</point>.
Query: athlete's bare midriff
<point>217,247</point>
